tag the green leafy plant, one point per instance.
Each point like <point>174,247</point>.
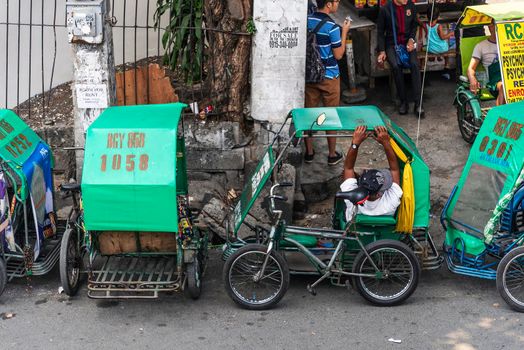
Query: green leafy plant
<point>183,38</point>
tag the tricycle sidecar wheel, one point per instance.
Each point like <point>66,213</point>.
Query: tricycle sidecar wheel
<point>239,273</point>
<point>465,116</point>
<point>70,263</point>
<point>398,274</point>
<point>3,275</point>
<point>194,284</point>
<point>510,279</point>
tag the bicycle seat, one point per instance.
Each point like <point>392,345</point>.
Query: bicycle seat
<point>71,187</point>
<point>357,196</point>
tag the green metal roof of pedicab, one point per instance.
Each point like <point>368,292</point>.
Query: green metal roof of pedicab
<point>129,179</point>
<point>347,119</point>
<point>483,14</point>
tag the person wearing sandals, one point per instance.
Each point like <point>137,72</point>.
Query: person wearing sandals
<point>403,14</point>
<point>331,41</point>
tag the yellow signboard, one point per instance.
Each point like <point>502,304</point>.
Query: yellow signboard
<point>510,38</point>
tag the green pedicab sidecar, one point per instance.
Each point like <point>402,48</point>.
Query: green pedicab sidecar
<point>484,215</point>
<point>30,234</point>
<point>344,120</point>
<point>473,107</point>
<point>135,216</point>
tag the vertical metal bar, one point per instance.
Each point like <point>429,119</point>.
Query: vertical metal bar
<point>201,58</point>
<point>54,54</point>
<point>147,52</point>
<point>7,57</point>
<point>42,57</point>
<point>134,65</point>
<point>124,52</point>
<point>158,35</point>
<point>18,61</point>
<point>30,55</point>
<point>26,227</point>
<point>191,48</point>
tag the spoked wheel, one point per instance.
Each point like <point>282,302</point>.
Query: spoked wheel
<point>3,275</point>
<point>247,286</point>
<point>467,122</point>
<point>70,262</point>
<point>194,283</point>
<point>510,279</point>
<point>397,276</point>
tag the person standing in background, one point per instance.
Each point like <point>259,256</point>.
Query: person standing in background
<point>406,28</point>
<point>331,42</point>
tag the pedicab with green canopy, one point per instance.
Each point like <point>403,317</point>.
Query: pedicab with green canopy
<point>133,223</point>
<point>484,215</point>
<point>508,19</point>
<point>30,233</point>
<point>381,256</point>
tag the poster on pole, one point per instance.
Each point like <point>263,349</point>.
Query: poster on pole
<point>510,38</point>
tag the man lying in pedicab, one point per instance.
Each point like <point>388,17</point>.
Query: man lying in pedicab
<point>383,185</point>
<point>486,53</point>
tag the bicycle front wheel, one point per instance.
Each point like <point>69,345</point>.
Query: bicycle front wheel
<point>510,279</point>
<point>247,285</point>
<point>395,270</point>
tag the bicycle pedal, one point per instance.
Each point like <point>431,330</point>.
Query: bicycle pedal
<point>312,291</point>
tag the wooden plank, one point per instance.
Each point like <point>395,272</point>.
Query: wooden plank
<point>158,91</point>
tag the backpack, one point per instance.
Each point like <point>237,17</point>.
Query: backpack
<point>315,70</point>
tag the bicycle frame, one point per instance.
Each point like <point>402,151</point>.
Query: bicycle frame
<point>325,269</point>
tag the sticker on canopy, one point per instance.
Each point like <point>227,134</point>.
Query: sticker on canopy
<point>473,17</point>
<point>37,170</point>
<point>497,147</point>
<point>253,187</point>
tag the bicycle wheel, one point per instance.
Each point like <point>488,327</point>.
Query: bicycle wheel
<point>466,120</point>
<point>194,283</point>
<point>70,262</point>
<point>245,285</point>
<point>510,279</point>
<point>397,276</point>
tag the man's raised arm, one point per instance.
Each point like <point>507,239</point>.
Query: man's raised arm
<point>359,136</point>
<point>382,137</point>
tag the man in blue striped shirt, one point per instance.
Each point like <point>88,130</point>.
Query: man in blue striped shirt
<point>331,41</point>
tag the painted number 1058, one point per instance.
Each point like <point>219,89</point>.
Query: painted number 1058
<point>129,162</point>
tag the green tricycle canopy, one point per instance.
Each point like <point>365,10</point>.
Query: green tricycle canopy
<point>493,172</point>
<point>18,142</point>
<point>134,167</point>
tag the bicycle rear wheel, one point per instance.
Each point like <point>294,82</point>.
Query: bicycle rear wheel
<point>397,276</point>
<point>246,286</point>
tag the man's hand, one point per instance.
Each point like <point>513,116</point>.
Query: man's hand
<point>345,26</point>
<point>381,135</point>
<point>381,57</point>
<point>410,45</point>
<point>360,135</point>
<point>474,85</point>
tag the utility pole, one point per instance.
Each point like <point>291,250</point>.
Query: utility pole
<point>94,88</point>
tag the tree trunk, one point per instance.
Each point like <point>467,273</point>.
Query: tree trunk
<point>229,55</point>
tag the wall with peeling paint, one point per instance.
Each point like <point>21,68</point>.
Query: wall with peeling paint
<point>278,58</point>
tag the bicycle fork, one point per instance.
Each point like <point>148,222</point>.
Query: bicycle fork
<point>259,275</point>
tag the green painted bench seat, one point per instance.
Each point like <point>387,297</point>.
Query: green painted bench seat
<point>381,220</point>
